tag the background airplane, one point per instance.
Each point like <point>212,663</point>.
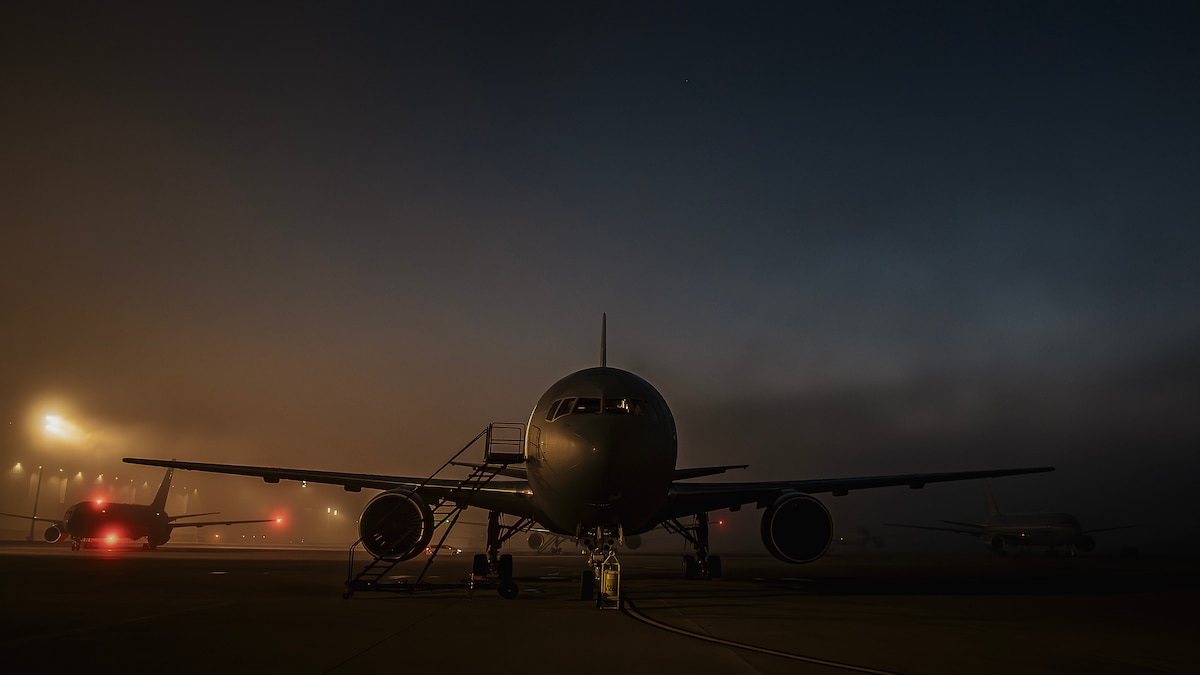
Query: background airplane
<point>595,462</point>
<point>1002,533</point>
<point>97,520</point>
<point>860,538</point>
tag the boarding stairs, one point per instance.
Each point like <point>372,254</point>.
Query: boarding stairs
<point>503,445</point>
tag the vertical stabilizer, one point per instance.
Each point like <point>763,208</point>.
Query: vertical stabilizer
<point>160,499</point>
<point>604,340</point>
<point>991,501</point>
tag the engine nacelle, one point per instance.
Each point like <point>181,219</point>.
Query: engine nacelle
<point>396,525</point>
<point>536,540</point>
<point>1085,544</point>
<point>995,544</point>
<point>633,541</point>
<point>53,534</point>
<point>797,528</point>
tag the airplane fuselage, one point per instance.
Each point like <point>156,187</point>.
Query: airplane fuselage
<point>600,453</point>
<point>92,520</point>
<point>1041,529</point>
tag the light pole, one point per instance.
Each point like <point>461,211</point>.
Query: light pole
<point>37,494</point>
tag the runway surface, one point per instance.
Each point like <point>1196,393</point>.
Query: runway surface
<point>192,610</point>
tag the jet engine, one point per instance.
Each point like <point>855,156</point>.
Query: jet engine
<point>995,544</point>
<point>797,528</point>
<point>53,534</point>
<point>1085,544</point>
<point>396,525</point>
<point>536,540</point>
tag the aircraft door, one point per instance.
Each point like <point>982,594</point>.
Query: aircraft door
<point>533,443</point>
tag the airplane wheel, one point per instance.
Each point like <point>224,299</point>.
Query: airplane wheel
<point>508,589</point>
<point>587,585</point>
<point>714,567</point>
<point>505,568</point>
<point>479,565</point>
<point>74,546</point>
<point>691,569</point>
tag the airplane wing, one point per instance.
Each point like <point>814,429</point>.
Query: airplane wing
<point>194,515</point>
<point>508,496</point>
<point>687,499</point>
<point>974,526</point>
<point>221,522</point>
<point>1108,529</point>
<point>960,530</point>
<point>680,474</point>
<point>507,470</point>
<point>698,472</point>
<point>56,521</point>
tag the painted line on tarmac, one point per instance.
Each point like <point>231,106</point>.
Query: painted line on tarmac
<point>630,609</point>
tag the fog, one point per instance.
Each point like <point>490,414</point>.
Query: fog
<point>845,240</point>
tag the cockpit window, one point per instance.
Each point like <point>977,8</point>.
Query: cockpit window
<point>585,406</point>
<point>559,408</point>
<point>620,406</point>
<point>591,406</point>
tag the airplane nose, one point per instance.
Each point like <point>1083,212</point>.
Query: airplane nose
<point>599,442</point>
<point>605,460</point>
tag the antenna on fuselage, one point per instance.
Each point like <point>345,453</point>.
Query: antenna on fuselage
<point>604,340</point>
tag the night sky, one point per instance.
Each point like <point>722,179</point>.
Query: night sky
<point>841,239</point>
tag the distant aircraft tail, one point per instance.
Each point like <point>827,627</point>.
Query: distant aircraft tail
<point>160,500</point>
<point>604,340</point>
<point>991,501</point>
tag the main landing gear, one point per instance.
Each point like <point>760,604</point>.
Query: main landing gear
<point>491,568</point>
<point>701,565</point>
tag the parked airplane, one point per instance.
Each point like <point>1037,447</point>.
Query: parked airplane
<point>1002,533</point>
<point>860,538</point>
<point>599,452</point>
<point>98,520</point>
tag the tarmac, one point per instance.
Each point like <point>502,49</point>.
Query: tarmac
<point>189,609</point>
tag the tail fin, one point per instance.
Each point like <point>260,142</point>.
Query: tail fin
<point>604,340</point>
<point>160,500</point>
<point>991,501</point>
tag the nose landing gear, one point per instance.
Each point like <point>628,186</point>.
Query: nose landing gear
<point>603,569</point>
